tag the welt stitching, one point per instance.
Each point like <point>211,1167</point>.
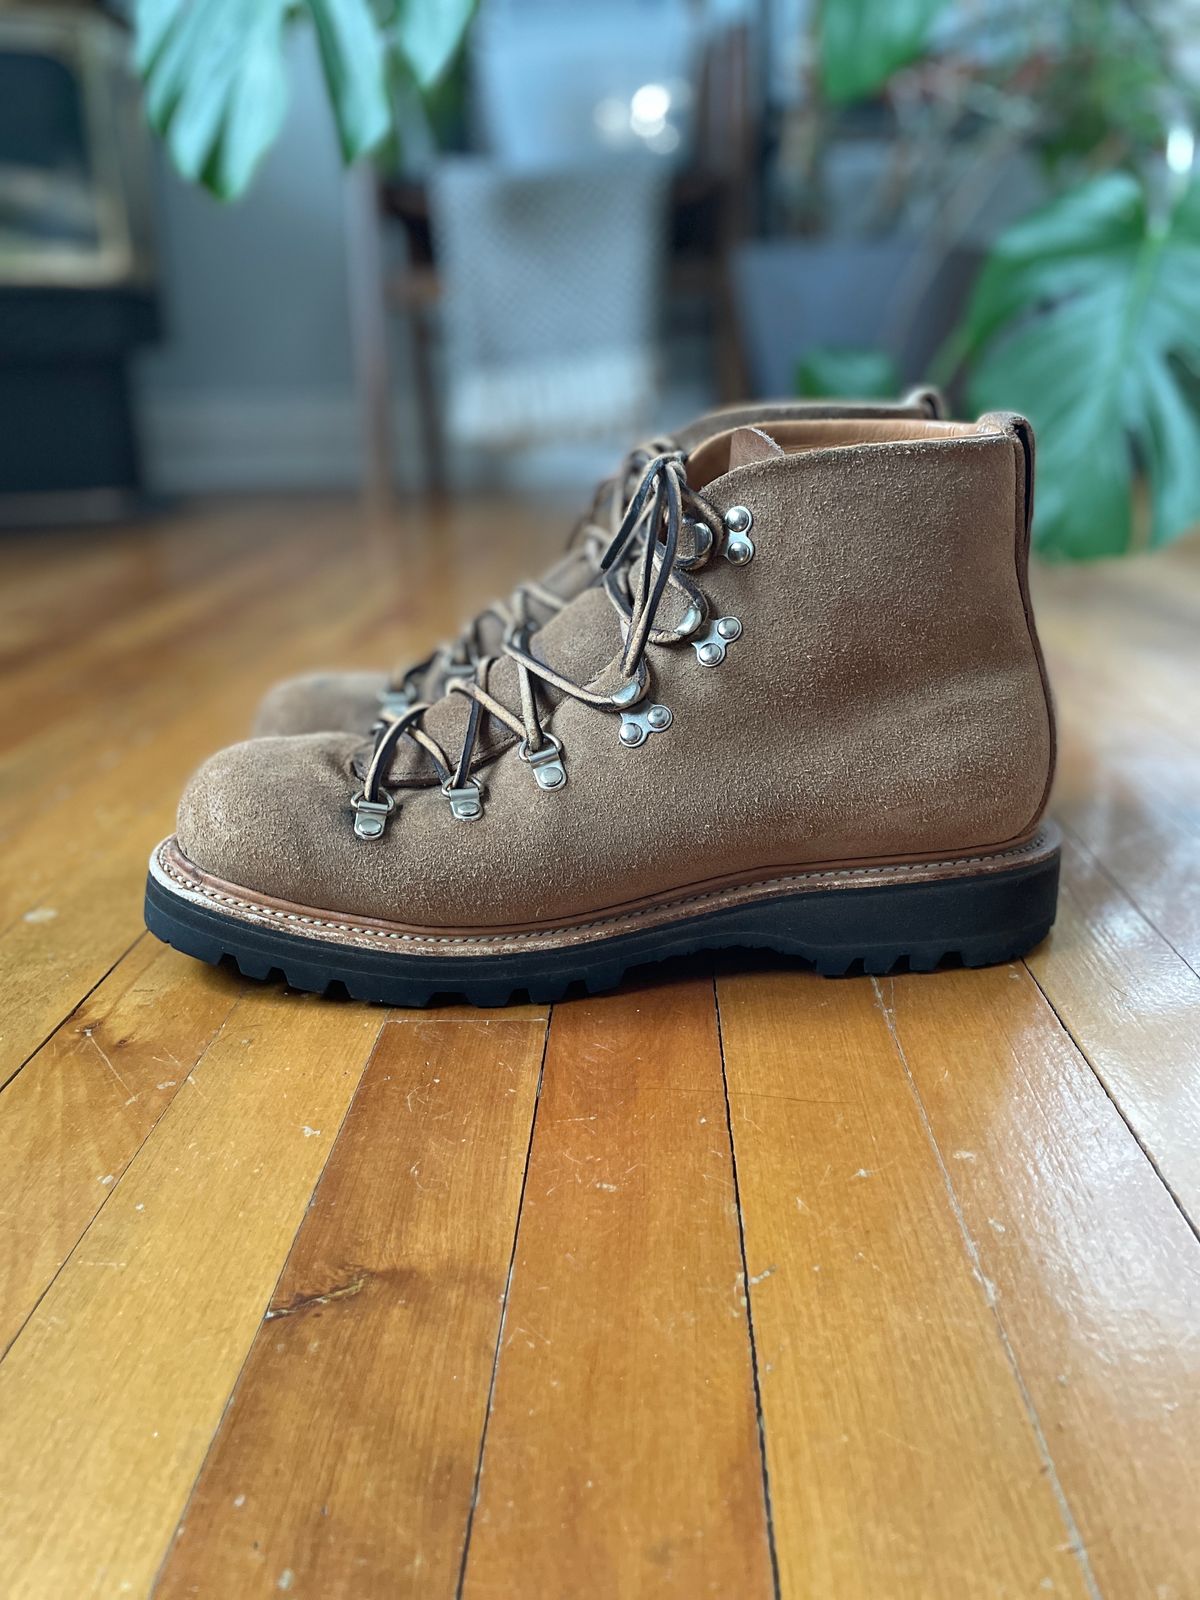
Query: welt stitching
<point>340,924</point>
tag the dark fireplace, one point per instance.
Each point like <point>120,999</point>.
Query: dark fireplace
<point>76,269</point>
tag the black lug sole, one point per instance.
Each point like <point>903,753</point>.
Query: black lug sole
<point>978,919</point>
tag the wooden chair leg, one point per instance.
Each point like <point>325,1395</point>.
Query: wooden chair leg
<point>429,422</point>
<point>369,335</point>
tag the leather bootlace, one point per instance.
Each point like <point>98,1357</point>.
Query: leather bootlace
<point>642,560</point>
<point>531,604</point>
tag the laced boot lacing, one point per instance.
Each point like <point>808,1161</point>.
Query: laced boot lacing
<point>649,528</point>
<point>592,534</point>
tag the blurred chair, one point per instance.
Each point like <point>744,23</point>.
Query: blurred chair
<point>709,205</point>
<point>552,299</point>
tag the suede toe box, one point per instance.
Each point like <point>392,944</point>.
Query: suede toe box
<point>260,814</point>
<point>321,702</point>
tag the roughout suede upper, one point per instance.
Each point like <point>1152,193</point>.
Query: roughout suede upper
<point>349,701</point>
<point>885,700</point>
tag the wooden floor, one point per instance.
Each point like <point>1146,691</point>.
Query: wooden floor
<point>737,1283</point>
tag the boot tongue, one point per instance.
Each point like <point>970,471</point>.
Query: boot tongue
<point>580,642</point>
<point>749,445</point>
<point>726,451</point>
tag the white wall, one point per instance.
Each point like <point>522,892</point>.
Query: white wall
<point>252,384</point>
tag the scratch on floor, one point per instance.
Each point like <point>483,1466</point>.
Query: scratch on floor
<point>101,1052</point>
<point>343,1291</point>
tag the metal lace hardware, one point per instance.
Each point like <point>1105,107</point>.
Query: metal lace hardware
<point>711,646</point>
<point>546,762</point>
<point>370,816</point>
<point>466,803</point>
<point>637,726</point>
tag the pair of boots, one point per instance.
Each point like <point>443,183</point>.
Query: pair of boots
<point>783,689</point>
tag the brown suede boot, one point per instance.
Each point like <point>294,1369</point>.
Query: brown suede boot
<point>804,708</point>
<point>351,702</point>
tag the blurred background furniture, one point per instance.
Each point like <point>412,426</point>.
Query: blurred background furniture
<point>568,351</point>
<point>697,125</point>
<point>76,270</point>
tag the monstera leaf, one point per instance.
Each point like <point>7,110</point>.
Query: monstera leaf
<point>1086,318</point>
<point>215,74</point>
<point>216,89</point>
<point>354,58</point>
<point>862,42</point>
<point>429,33</point>
<point>844,373</point>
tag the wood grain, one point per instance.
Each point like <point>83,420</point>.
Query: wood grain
<point>974,1300</point>
<point>345,1465</point>
<point>902,1455</point>
<point>622,1455</point>
<point>75,904</point>
<point>112,1392</point>
<point>1132,1006</point>
<point>1093,1272</point>
<point>80,1110</point>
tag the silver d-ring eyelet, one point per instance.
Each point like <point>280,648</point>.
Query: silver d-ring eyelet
<point>692,618</point>
<point>395,702</point>
<point>547,762</point>
<point>370,816</point>
<point>629,694</point>
<point>702,542</point>
<point>466,803</point>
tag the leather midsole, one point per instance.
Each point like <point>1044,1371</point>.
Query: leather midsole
<point>179,876</point>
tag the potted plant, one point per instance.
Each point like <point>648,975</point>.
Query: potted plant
<point>1085,311</point>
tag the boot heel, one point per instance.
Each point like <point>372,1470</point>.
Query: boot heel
<point>980,919</point>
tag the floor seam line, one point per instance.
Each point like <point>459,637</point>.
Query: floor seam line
<point>149,1134</point>
<point>477,1480</point>
<point>66,1017</point>
<point>181,1518</point>
<point>1106,872</point>
<point>1151,1159</point>
<point>1078,1547</point>
<point>759,1415</point>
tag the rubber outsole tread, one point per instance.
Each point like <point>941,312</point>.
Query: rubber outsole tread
<point>976,920</point>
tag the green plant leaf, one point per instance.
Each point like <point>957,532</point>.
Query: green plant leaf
<point>216,80</point>
<point>862,42</point>
<point>216,89</point>
<point>354,58</point>
<point>827,370</point>
<point>1086,318</point>
<point>428,34</point>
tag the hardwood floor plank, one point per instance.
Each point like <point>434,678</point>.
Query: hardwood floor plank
<point>1094,1274</point>
<point>111,1394</point>
<point>1122,646</point>
<point>974,1301</point>
<point>74,907</point>
<point>78,1113</point>
<point>1132,1005</point>
<point>902,1457</point>
<point>622,1455</point>
<point>96,669</point>
<point>345,1464</point>
<point>225,664</point>
<point>1148,841</point>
